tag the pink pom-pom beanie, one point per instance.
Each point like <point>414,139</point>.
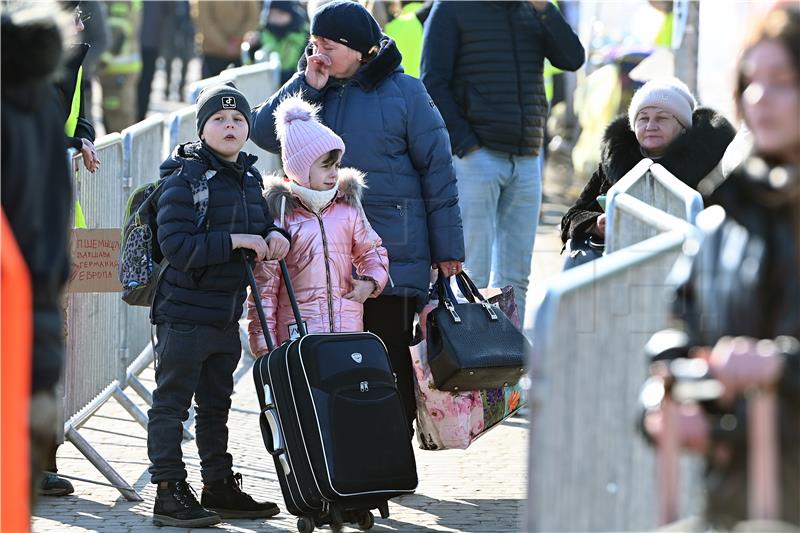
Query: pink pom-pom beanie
<point>303,138</point>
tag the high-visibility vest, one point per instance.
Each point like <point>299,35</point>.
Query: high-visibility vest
<point>406,30</point>
<point>123,23</point>
<point>16,347</point>
<point>69,128</point>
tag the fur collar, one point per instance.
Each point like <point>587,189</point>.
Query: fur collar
<point>386,62</point>
<point>690,157</point>
<point>351,186</point>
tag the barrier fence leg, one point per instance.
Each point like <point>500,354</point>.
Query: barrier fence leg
<point>136,384</point>
<point>131,407</point>
<point>102,465</point>
<point>139,388</point>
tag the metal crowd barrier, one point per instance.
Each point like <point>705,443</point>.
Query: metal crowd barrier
<point>590,469</point>
<point>181,128</point>
<point>655,186</point>
<point>634,221</point>
<point>95,341</point>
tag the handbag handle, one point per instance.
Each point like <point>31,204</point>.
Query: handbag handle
<point>468,288</point>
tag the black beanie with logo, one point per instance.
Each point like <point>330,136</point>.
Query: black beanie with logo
<point>218,97</point>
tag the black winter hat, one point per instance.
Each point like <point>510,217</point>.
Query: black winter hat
<point>218,97</point>
<point>347,22</point>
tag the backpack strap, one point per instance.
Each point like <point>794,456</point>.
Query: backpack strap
<point>199,189</point>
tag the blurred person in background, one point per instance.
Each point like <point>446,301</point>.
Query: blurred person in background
<point>738,295</point>
<point>663,124</point>
<point>155,15</point>
<point>37,198</point>
<point>75,108</point>
<point>97,35</point>
<point>178,44</point>
<point>405,27</point>
<point>482,64</point>
<point>221,27</point>
<point>284,30</point>
<point>121,65</point>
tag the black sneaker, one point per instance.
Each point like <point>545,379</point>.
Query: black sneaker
<point>176,505</point>
<point>227,498</point>
<point>53,485</point>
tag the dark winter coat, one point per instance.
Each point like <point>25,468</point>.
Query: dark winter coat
<point>205,282</point>
<point>395,135</point>
<point>66,87</point>
<point>690,158</point>
<point>745,281</point>
<point>483,63</point>
<point>36,189</point>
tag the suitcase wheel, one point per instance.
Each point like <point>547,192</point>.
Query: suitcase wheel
<point>305,525</point>
<point>366,521</point>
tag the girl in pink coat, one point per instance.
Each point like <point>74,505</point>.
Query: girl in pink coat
<point>320,206</point>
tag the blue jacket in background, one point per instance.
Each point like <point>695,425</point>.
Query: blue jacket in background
<point>483,62</point>
<point>394,133</point>
<point>205,282</point>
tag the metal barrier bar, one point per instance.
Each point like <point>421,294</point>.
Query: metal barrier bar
<point>589,468</point>
<point>102,465</point>
<point>93,361</point>
<point>143,149</point>
<point>182,128</point>
<point>630,221</point>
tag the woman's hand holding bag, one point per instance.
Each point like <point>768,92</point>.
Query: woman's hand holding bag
<point>472,345</point>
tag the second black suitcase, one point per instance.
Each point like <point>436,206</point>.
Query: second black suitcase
<point>332,418</point>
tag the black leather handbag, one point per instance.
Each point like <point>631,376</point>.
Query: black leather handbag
<point>472,345</point>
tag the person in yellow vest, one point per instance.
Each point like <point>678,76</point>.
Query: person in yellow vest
<point>406,30</point>
<point>121,65</point>
<point>79,130</point>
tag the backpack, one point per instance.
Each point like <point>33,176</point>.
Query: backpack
<point>141,261</point>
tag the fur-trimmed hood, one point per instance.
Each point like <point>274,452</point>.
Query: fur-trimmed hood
<point>372,73</point>
<point>351,186</point>
<point>691,156</point>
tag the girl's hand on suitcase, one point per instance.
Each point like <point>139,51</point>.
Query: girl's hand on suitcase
<point>251,242</point>
<point>277,247</point>
<point>361,291</point>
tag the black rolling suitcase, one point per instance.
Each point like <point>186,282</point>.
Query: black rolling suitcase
<point>333,421</point>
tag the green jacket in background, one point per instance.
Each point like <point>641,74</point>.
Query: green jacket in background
<point>406,31</point>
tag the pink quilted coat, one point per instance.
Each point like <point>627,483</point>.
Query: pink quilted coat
<point>325,248</point>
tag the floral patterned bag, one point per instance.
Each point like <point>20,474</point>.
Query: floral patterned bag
<point>453,420</point>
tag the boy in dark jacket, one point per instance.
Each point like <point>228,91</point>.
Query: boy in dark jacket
<point>197,306</point>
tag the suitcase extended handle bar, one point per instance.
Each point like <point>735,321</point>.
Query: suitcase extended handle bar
<point>290,291</point>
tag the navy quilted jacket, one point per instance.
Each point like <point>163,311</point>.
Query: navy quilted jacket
<point>394,133</point>
<point>205,282</point>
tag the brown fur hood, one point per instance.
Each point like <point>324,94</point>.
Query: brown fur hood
<point>351,185</point>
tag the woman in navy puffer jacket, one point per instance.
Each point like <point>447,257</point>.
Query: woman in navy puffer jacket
<point>396,136</point>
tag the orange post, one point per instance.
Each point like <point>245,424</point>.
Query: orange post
<point>16,353</point>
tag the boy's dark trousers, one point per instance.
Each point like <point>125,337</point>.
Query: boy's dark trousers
<point>193,360</point>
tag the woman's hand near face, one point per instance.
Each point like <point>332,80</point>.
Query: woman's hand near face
<point>318,70</point>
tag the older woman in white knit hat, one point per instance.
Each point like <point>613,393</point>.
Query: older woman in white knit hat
<point>665,124</point>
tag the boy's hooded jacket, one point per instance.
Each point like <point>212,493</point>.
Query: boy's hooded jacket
<point>325,248</point>
<point>205,282</point>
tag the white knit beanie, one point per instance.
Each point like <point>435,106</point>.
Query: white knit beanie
<point>303,138</point>
<point>670,94</point>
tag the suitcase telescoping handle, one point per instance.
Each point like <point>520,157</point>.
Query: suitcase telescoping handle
<point>301,327</point>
